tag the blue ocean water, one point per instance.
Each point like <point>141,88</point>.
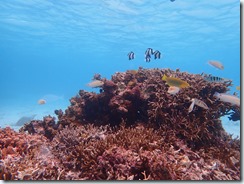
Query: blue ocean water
<point>51,49</point>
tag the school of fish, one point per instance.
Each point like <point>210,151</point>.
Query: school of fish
<point>148,53</point>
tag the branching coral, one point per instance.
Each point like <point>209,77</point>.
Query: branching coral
<point>24,156</point>
<point>141,96</point>
<point>132,130</point>
<point>48,127</point>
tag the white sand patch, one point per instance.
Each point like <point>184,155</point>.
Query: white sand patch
<point>12,113</point>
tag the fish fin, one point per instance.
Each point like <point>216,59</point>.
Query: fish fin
<point>164,77</point>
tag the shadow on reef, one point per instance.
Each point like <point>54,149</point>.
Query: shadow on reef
<point>132,129</point>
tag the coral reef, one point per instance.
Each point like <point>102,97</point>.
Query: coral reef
<point>47,127</point>
<point>133,129</point>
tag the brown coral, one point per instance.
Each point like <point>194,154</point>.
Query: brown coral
<point>132,130</point>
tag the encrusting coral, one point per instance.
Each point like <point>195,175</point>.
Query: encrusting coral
<point>132,130</point>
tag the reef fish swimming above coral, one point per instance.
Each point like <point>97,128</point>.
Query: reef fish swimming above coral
<point>173,90</point>
<point>41,101</point>
<point>131,55</point>
<point>95,84</point>
<point>197,102</point>
<point>216,64</point>
<point>172,81</point>
<point>211,78</point>
<point>232,99</point>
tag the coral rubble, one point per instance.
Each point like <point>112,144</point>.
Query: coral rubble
<point>132,130</point>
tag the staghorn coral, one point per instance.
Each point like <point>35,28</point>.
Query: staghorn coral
<point>132,130</point>
<point>23,156</point>
<point>141,96</point>
<point>138,153</point>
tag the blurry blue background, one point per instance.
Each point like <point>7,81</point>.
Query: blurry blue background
<point>52,49</point>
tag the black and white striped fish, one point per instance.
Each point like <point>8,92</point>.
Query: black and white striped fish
<point>211,78</point>
<point>149,52</point>
<point>131,55</point>
<point>157,54</point>
<point>147,58</point>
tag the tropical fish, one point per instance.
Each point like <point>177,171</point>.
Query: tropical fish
<point>235,93</point>
<point>191,106</point>
<point>148,58</point>
<point>238,88</point>
<point>157,54</point>
<point>173,90</point>
<point>172,81</point>
<point>149,52</point>
<point>216,64</point>
<point>41,101</point>
<point>200,103</point>
<point>211,78</point>
<point>232,99</point>
<point>131,55</point>
<point>197,102</point>
<point>95,84</point>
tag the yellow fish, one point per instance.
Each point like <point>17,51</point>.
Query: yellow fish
<point>172,81</point>
<point>238,88</point>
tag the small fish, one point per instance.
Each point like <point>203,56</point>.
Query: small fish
<point>149,52</point>
<point>191,106</point>
<point>41,101</point>
<point>173,90</point>
<point>200,103</point>
<point>157,54</point>
<point>216,64</point>
<point>235,94</point>
<point>148,58</point>
<point>172,81</point>
<point>172,0</point>
<point>238,88</point>
<point>232,99</point>
<point>197,102</point>
<point>131,55</point>
<point>211,78</point>
<point>95,84</point>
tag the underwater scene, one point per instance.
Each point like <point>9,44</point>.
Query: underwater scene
<point>120,90</point>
